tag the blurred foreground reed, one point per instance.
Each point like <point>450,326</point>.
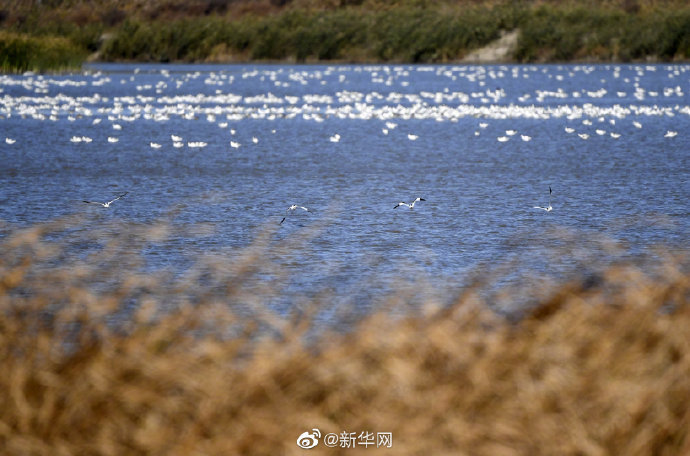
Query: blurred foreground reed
<point>97,358</point>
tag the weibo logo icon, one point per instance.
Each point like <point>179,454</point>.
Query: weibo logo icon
<point>308,439</point>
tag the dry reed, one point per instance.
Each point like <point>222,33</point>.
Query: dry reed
<point>99,361</point>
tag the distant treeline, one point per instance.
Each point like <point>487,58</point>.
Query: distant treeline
<point>354,31</point>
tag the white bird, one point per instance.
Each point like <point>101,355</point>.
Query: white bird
<point>108,203</point>
<point>255,140</point>
<point>410,205</point>
<point>155,145</point>
<point>615,135</point>
<point>112,139</point>
<point>511,132</point>
<point>569,130</point>
<point>600,132</point>
<point>670,134</point>
<point>176,138</point>
<point>335,138</point>
<point>384,131</point>
<point>391,125</point>
<point>526,138</point>
<point>502,138</point>
<point>583,135</point>
<point>637,124</point>
<point>291,209</point>
<point>235,144</point>
<point>412,137</point>
<point>483,125</point>
<point>547,208</point>
<point>10,140</point>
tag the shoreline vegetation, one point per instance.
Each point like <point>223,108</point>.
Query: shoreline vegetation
<point>54,35</point>
<point>100,357</point>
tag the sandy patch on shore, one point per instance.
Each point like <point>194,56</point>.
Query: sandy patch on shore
<point>500,50</point>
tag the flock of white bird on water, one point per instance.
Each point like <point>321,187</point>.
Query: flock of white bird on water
<point>163,98</point>
<point>392,103</point>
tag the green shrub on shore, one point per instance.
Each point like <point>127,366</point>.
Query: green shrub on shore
<point>19,53</point>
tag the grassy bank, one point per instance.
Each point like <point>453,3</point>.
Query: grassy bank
<point>404,35</point>
<point>600,366</point>
<point>356,31</point>
<point>19,53</point>
<point>604,35</point>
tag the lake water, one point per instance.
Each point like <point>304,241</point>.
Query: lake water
<point>612,141</point>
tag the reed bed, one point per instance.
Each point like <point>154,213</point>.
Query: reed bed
<point>20,53</point>
<point>102,355</point>
<point>56,34</point>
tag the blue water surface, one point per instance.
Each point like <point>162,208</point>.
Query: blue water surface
<point>481,144</point>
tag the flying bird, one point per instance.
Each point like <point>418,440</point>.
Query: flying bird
<point>108,203</point>
<point>291,209</point>
<point>410,205</point>
<point>548,208</point>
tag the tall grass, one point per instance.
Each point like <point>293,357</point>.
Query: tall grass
<point>402,34</point>
<point>414,34</point>
<point>359,31</point>
<point>19,53</point>
<point>100,359</point>
<point>604,34</point>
